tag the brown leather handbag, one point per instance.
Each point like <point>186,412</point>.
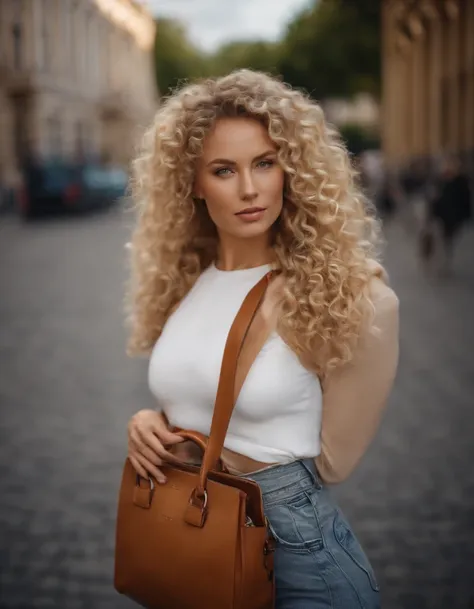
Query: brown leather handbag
<point>201,540</point>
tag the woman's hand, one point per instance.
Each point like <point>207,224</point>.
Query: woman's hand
<point>148,439</point>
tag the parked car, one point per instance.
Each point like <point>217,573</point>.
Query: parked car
<point>58,187</point>
<point>101,186</point>
<point>45,188</point>
<point>7,199</point>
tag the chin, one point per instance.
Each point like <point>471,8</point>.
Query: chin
<point>256,229</point>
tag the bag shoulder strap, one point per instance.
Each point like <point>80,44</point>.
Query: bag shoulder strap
<point>225,401</point>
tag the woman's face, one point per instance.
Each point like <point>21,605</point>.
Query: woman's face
<point>240,179</point>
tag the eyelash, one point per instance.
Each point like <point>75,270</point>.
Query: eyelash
<point>268,163</point>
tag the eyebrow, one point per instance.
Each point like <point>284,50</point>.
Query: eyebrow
<point>230,162</point>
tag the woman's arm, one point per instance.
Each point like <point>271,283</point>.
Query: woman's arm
<point>355,396</point>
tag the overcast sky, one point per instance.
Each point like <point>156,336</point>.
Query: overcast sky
<point>212,22</point>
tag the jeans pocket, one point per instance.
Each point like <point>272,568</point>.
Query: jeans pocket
<point>294,525</point>
<point>352,548</point>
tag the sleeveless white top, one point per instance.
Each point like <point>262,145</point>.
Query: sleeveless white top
<point>277,417</point>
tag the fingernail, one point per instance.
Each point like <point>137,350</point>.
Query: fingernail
<point>162,480</point>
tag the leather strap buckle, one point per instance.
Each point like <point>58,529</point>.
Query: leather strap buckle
<point>142,496</point>
<point>196,511</point>
<point>193,498</point>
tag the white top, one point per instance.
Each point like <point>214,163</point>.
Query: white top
<point>277,417</point>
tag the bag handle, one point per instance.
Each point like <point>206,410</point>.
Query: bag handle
<point>225,402</point>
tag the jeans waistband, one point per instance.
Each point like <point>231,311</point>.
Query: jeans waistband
<point>288,477</point>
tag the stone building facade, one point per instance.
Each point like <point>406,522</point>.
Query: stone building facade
<point>76,80</point>
<point>428,80</point>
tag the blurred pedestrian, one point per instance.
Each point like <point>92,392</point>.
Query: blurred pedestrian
<point>414,187</point>
<point>241,176</point>
<point>450,209</point>
<point>388,197</point>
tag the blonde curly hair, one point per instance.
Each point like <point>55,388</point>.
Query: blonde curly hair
<point>325,238</point>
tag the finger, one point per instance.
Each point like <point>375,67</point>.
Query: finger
<point>141,443</point>
<point>150,440</point>
<point>151,469</point>
<point>148,453</point>
<point>141,471</point>
<point>166,436</point>
<point>147,441</point>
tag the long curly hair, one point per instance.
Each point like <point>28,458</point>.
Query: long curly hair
<point>325,238</point>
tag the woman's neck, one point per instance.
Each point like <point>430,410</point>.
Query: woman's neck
<point>233,255</point>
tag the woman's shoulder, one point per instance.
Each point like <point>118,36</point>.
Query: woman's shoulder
<point>384,318</point>
<point>380,291</point>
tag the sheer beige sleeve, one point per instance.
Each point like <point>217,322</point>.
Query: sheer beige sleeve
<point>355,396</point>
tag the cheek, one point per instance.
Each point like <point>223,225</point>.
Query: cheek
<point>274,183</point>
<point>274,193</point>
<point>220,196</point>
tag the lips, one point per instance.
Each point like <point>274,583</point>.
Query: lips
<point>250,210</point>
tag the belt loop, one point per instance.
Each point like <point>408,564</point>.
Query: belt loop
<point>310,467</point>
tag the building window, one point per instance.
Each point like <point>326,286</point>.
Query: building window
<point>444,114</point>
<point>79,142</point>
<point>72,13</point>
<point>85,46</point>
<point>54,136</point>
<point>65,33</point>
<point>45,34</point>
<point>17,57</point>
<point>17,35</point>
<point>20,129</point>
<point>96,54</point>
<point>2,37</point>
<point>111,60</point>
<point>471,135</point>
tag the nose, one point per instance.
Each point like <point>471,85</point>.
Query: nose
<point>248,190</point>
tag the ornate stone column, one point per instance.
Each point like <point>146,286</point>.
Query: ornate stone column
<point>416,33</point>
<point>468,106</point>
<point>452,73</point>
<point>37,41</point>
<point>429,10</point>
<point>395,63</point>
<point>388,84</point>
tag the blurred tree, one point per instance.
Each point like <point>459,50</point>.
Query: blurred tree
<point>364,44</point>
<point>358,139</point>
<point>256,55</point>
<point>333,48</point>
<point>330,49</point>
<point>176,58</point>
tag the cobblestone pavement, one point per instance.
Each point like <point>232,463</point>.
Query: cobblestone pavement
<point>67,390</point>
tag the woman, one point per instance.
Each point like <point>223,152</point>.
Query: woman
<point>238,176</point>
<point>449,210</point>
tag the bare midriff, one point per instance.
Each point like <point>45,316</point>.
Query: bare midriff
<point>234,462</point>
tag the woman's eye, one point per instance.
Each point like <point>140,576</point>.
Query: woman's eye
<point>265,164</point>
<point>222,171</point>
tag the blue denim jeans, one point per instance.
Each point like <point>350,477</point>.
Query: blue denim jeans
<point>318,561</point>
